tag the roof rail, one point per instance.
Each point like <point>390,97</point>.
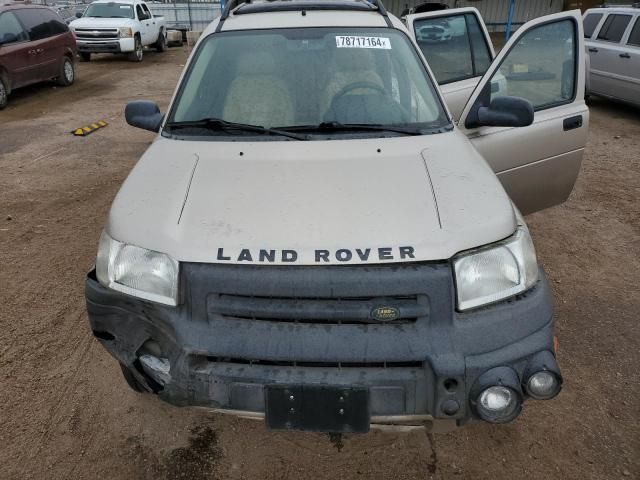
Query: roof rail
<point>292,5</point>
<point>617,5</point>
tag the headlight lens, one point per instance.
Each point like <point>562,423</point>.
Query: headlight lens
<point>498,272</point>
<point>125,32</point>
<point>137,271</point>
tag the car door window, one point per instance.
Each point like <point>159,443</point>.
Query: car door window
<point>55,24</point>
<point>146,10</point>
<point>532,70</point>
<point>634,38</point>
<point>37,23</point>
<point>10,29</point>
<point>590,23</point>
<point>613,28</point>
<point>141,14</point>
<point>454,46</point>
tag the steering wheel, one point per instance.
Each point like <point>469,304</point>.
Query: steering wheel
<point>404,114</point>
<point>356,85</point>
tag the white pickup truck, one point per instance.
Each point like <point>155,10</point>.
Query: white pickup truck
<point>123,26</point>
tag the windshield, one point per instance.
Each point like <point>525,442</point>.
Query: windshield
<point>296,78</point>
<point>109,10</point>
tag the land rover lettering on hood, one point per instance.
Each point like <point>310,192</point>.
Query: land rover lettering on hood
<point>312,241</point>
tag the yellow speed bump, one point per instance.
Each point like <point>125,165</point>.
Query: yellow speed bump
<point>84,131</point>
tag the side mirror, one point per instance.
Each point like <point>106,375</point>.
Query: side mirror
<point>78,14</point>
<point>506,112</point>
<point>144,114</point>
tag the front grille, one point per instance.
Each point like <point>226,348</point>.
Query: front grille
<point>302,315</point>
<point>334,310</point>
<point>96,34</point>
<point>306,364</point>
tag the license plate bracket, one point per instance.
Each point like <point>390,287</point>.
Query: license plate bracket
<point>331,409</point>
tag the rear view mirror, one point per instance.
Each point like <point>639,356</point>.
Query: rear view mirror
<point>144,114</point>
<point>505,112</point>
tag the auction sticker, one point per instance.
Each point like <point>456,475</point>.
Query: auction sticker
<point>348,41</point>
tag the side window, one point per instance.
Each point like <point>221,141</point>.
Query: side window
<point>10,29</point>
<point>55,23</point>
<point>634,38</point>
<point>541,66</point>
<point>40,23</point>
<point>146,11</point>
<point>590,23</point>
<point>613,28</point>
<point>454,46</point>
<point>140,12</point>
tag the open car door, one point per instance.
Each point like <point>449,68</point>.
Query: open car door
<point>457,47</point>
<point>543,63</point>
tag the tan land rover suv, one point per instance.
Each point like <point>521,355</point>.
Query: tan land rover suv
<point>312,239</point>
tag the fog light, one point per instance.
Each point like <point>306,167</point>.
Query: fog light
<point>543,385</point>
<point>498,404</point>
<point>156,367</point>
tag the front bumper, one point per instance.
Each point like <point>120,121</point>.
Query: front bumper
<point>410,369</point>
<point>122,45</point>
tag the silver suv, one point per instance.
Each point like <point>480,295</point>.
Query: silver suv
<point>312,239</point>
<point>613,43</point>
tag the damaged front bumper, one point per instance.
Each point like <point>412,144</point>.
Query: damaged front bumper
<point>242,332</point>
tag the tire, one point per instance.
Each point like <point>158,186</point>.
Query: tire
<point>67,73</point>
<point>131,380</point>
<point>161,43</point>
<point>4,93</point>
<point>85,57</point>
<point>137,54</point>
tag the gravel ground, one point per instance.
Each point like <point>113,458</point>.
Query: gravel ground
<point>65,411</point>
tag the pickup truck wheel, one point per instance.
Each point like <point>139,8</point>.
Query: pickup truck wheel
<point>131,380</point>
<point>136,55</point>
<point>161,43</point>
<point>4,93</point>
<point>85,57</point>
<point>67,73</point>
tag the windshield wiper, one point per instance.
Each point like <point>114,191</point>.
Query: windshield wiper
<point>216,124</point>
<point>351,127</point>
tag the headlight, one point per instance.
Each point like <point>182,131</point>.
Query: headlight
<point>125,32</point>
<point>497,272</point>
<point>137,271</point>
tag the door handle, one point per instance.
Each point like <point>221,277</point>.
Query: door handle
<point>625,55</point>
<point>594,50</point>
<point>572,123</point>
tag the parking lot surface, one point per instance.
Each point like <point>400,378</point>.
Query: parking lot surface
<point>66,412</point>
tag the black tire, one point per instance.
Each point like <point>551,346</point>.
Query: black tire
<point>137,54</point>
<point>4,93</point>
<point>161,43</point>
<point>85,57</point>
<point>67,73</point>
<point>131,380</point>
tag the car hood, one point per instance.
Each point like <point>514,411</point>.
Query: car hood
<point>316,202</point>
<point>96,22</point>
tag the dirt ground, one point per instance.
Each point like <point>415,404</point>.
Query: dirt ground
<point>66,413</point>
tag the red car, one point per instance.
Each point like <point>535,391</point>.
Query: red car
<point>35,45</point>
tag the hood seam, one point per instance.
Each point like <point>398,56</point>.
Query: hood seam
<point>186,195</point>
<point>433,192</point>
